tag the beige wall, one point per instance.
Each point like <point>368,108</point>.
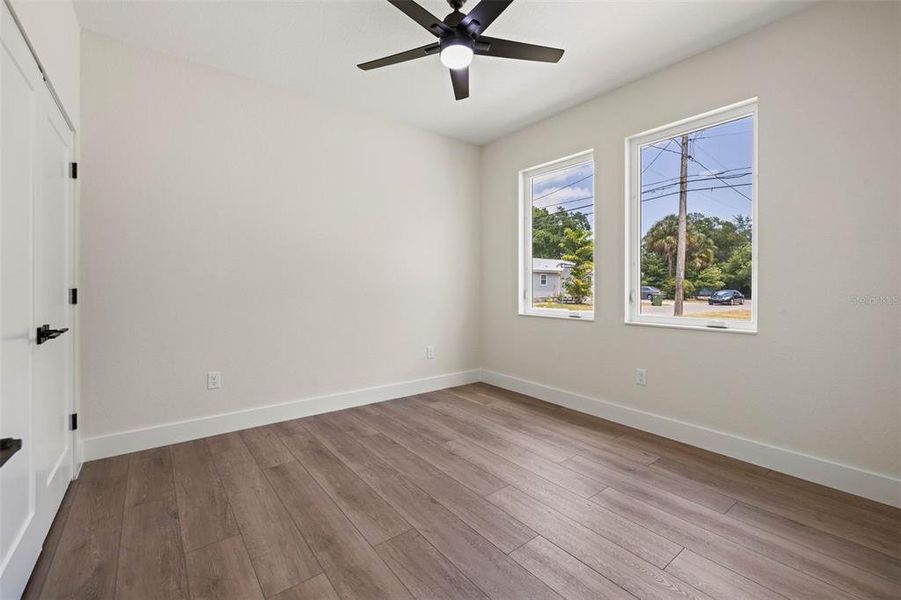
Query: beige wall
<point>822,375</point>
<point>52,28</point>
<point>298,249</point>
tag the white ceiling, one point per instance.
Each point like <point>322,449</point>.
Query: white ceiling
<point>312,46</point>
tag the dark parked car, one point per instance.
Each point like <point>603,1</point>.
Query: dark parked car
<point>648,292</point>
<point>726,297</point>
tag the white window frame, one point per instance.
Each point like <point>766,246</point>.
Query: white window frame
<point>542,279</point>
<point>633,316</point>
<point>525,238</point>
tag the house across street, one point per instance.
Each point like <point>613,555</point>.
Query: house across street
<point>548,277</point>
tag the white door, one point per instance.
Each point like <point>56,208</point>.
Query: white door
<point>35,270</point>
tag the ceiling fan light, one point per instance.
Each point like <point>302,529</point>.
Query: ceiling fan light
<point>456,56</point>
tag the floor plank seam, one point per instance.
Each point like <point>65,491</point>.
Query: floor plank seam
<point>183,555</point>
<point>842,559</point>
<point>450,561</point>
<point>61,525</point>
<point>713,559</point>
<point>762,584</point>
<point>121,529</point>
<point>674,558</point>
<point>522,544</point>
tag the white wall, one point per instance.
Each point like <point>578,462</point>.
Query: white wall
<point>52,28</point>
<point>822,376</point>
<point>226,225</point>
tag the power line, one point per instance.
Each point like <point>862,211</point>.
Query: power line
<point>690,176</point>
<point>702,189</point>
<point>656,157</point>
<point>734,188</point>
<point>696,179</point>
<point>578,207</point>
<point>563,187</point>
<point>567,202</point>
<point>692,158</point>
<point>708,137</point>
<point>702,193</point>
<point>665,148</point>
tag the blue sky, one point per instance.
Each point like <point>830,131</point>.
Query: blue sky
<point>725,150</point>
<point>570,188</point>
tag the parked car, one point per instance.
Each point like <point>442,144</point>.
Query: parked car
<point>648,292</point>
<point>726,297</point>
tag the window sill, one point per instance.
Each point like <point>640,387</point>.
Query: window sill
<point>692,326</point>
<point>554,314</point>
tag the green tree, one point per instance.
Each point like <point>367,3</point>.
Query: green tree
<point>668,287</point>
<point>662,238</point>
<point>578,248</point>
<point>653,269</point>
<point>737,270</point>
<point>727,236</point>
<point>548,230</point>
<point>711,277</point>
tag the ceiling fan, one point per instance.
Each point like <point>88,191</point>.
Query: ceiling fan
<point>460,37</point>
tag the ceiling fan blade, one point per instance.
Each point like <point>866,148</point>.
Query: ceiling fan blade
<point>460,79</point>
<point>432,23</point>
<point>401,57</point>
<point>518,50</point>
<point>485,12</point>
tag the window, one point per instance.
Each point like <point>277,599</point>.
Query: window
<point>691,225</point>
<point>557,238</point>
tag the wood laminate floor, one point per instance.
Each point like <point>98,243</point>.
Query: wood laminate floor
<point>468,493</point>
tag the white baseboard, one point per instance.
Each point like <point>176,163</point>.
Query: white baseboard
<point>876,486</point>
<point>122,442</point>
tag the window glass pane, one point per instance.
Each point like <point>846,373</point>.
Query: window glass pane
<point>695,209</point>
<point>562,261</point>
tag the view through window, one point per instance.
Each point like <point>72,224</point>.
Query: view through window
<point>559,268</point>
<point>696,231</point>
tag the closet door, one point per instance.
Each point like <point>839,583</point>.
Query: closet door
<point>52,375</point>
<point>35,269</point>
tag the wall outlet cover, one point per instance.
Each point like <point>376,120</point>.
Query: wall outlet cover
<point>213,380</point>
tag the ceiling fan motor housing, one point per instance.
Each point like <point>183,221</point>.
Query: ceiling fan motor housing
<point>457,40</point>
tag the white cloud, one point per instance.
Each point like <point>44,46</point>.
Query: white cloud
<point>564,195</point>
<point>558,178</point>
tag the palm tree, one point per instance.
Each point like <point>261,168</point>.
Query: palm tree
<point>662,239</point>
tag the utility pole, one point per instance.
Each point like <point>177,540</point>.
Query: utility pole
<point>682,231</point>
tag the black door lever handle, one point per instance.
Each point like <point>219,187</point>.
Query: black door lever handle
<point>45,333</point>
<point>8,447</point>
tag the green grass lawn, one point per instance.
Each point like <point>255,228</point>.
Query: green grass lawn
<point>743,314</point>
<point>563,306</point>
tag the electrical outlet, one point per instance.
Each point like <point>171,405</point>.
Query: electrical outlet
<point>641,376</point>
<point>430,352</point>
<point>213,380</point>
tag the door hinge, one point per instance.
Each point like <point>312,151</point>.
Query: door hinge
<point>73,170</point>
<point>73,295</point>
<point>73,421</point>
